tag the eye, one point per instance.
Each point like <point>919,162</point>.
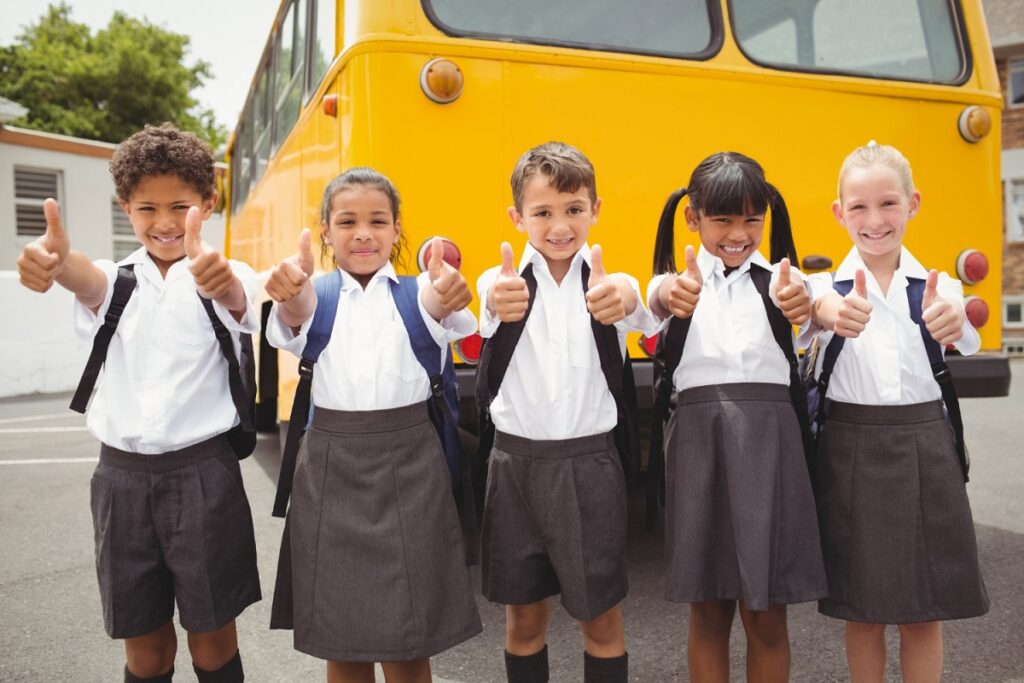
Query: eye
<point>543,213</point>
<point>575,210</point>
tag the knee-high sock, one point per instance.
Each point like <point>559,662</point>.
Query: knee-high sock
<point>229,673</point>
<point>529,668</point>
<point>605,669</point>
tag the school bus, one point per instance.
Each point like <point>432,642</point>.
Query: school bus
<point>444,95</point>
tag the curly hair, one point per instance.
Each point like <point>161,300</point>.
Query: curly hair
<point>162,150</point>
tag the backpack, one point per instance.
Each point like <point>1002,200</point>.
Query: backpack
<point>618,373</point>
<point>443,405</point>
<point>241,372</point>
<point>817,389</point>
<point>671,344</point>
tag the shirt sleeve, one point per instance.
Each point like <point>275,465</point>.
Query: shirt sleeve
<point>641,319</point>
<point>818,285</point>
<point>652,291</point>
<point>87,323</point>
<point>952,290</point>
<point>280,336</point>
<point>488,323</point>
<point>452,327</point>
<point>250,322</point>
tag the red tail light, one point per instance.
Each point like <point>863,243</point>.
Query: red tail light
<point>977,311</point>
<point>971,266</point>
<point>469,347</point>
<point>452,255</point>
<point>649,345</point>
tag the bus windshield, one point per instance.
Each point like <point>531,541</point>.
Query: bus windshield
<point>670,27</point>
<point>914,40</point>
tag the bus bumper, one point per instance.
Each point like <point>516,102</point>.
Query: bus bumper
<point>979,376</point>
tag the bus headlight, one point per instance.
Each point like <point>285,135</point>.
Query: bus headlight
<point>974,123</point>
<point>441,80</point>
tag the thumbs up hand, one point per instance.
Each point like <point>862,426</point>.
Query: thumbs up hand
<point>508,297</point>
<point>449,291</point>
<point>679,294</point>
<point>211,271</point>
<point>854,311</point>
<point>791,293</point>
<point>610,298</point>
<point>42,260</point>
<point>943,320</point>
<point>290,284</point>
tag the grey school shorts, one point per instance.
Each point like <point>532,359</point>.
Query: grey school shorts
<point>172,526</point>
<point>555,522</point>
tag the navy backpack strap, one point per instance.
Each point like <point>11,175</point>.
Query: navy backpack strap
<point>828,363</point>
<point>328,289</point>
<point>406,294</point>
<point>243,437</point>
<point>124,287</point>
<point>940,371</point>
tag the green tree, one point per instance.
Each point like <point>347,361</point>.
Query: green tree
<point>107,85</point>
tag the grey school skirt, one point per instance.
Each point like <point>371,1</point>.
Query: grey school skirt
<point>372,543</point>
<point>740,517</point>
<point>896,526</point>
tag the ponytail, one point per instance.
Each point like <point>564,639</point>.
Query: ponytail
<point>781,243</point>
<point>664,242</point>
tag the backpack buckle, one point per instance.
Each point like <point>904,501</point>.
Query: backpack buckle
<point>437,386</point>
<point>305,369</point>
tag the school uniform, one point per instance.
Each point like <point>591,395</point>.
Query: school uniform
<point>377,564</point>
<point>896,524</point>
<point>170,514</point>
<point>740,517</point>
<point>555,504</point>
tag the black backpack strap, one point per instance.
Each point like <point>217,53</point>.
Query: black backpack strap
<point>670,343</point>
<point>940,371</point>
<point>782,330</point>
<point>244,436</point>
<point>828,363</point>
<point>124,287</point>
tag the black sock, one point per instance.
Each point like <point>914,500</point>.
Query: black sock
<point>605,669</point>
<point>229,673</point>
<point>129,677</point>
<point>527,668</point>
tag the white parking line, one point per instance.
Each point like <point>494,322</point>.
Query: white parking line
<point>35,418</point>
<point>43,430</point>
<point>46,461</point>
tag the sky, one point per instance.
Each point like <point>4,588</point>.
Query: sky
<point>228,34</point>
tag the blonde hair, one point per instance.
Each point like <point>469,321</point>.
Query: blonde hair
<point>874,154</point>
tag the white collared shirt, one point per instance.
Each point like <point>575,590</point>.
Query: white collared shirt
<point>165,383</point>
<point>554,387</point>
<point>730,338</point>
<point>369,363</point>
<point>888,364</point>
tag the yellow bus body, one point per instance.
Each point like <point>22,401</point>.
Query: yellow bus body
<point>644,121</point>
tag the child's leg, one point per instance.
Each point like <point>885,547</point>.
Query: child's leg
<point>921,652</point>
<point>865,652</point>
<point>526,627</point>
<point>415,671</point>
<point>605,659</point>
<point>215,655</point>
<point>350,672</point>
<point>153,654</point>
<point>707,646</point>
<point>767,644</point>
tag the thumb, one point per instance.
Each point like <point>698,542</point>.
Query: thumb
<point>929,288</point>
<point>860,283</point>
<point>507,260</point>
<point>306,252</point>
<point>597,274</point>
<point>784,272</point>
<point>193,228</point>
<point>55,232</point>
<point>691,264</point>
<point>436,259</point>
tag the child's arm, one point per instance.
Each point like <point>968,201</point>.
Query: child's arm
<point>610,298</point>
<point>290,285</point>
<point>213,275</point>
<point>677,295</point>
<point>791,294</point>
<point>49,259</point>
<point>449,291</point>
<point>846,316</point>
<point>507,297</point>
<point>943,316</point>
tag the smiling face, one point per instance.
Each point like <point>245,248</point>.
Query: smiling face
<point>732,238</point>
<point>557,223</point>
<point>362,230</point>
<point>157,208</point>
<point>874,207</point>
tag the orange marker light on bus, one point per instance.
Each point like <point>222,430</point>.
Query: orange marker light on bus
<point>974,123</point>
<point>330,104</point>
<point>441,80</point>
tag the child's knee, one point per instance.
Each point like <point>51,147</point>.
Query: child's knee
<point>712,619</point>
<point>604,629</point>
<point>921,631</point>
<point>527,622</point>
<point>212,650</point>
<point>767,627</point>
<point>152,654</point>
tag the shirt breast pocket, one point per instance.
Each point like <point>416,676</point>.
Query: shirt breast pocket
<point>582,348</point>
<point>396,355</point>
<point>187,322</point>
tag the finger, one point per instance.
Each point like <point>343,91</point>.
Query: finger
<point>929,288</point>
<point>691,265</point>
<point>507,260</point>
<point>784,271</point>
<point>293,274</point>
<point>436,258</point>
<point>597,273</point>
<point>54,225</point>
<point>193,230</point>
<point>38,256</point>
<point>860,283</point>
<point>306,263</point>
<point>934,311</point>
<point>688,284</point>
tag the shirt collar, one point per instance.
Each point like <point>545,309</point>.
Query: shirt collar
<point>141,257</point>
<point>909,266</point>
<point>709,264</point>
<point>386,272</point>
<point>531,255</point>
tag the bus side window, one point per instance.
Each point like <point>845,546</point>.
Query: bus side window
<point>290,61</point>
<point>322,46</point>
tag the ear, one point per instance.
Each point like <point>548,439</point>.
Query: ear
<point>398,228</point>
<point>325,233</point>
<point>691,218</point>
<point>915,204</point>
<point>595,210</point>
<point>516,219</point>
<point>208,205</point>
<point>125,206</point>
<point>837,211</point>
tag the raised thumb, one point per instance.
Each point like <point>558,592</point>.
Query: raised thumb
<point>597,274</point>
<point>306,252</point>
<point>691,263</point>
<point>54,225</point>
<point>860,283</point>
<point>436,258</point>
<point>193,230</point>
<point>508,258</point>
<point>784,272</point>
<point>929,288</point>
